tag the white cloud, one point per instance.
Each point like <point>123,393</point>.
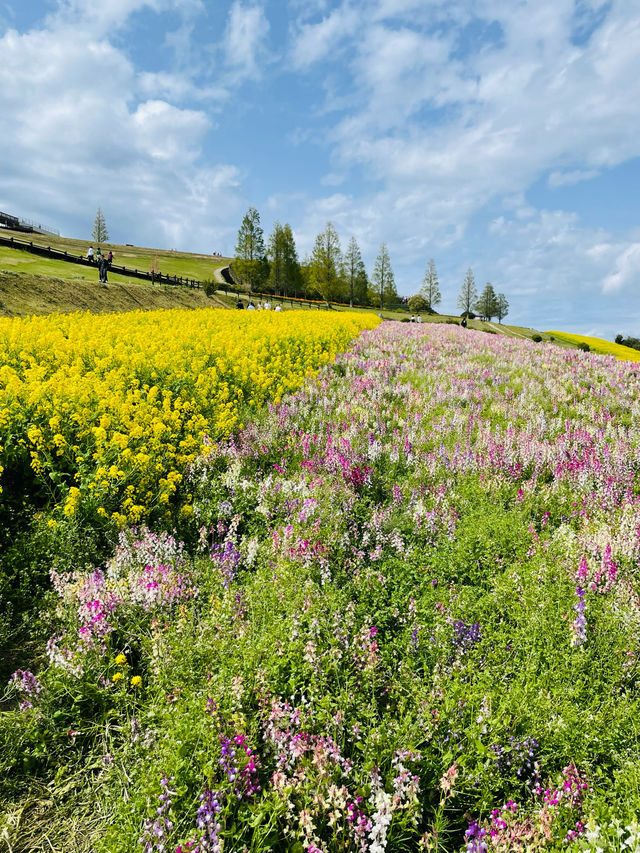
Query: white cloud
<point>445,134</point>
<point>78,138</point>
<point>627,270</point>
<point>313,42</point>
<point>166,133</point>
<point>245,36</point>
<point>567,179</point>
<point>559,274</point>
<point>101,17</point>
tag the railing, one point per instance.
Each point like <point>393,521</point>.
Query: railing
<point>17,224</point>
<point>62,255</point>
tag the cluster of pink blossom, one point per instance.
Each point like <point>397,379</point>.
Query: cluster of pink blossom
<point>512,828</point>
<point>146,574</point>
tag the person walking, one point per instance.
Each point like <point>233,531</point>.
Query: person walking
<point>103,265</point>
<point>90,254</point>
<point>109,258</point>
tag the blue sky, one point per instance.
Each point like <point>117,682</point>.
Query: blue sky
<point>501,135</point>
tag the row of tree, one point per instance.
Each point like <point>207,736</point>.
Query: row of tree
<point>328,273</point>
<point>341,277</point>
<point>487,306</point>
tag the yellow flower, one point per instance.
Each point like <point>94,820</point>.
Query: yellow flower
<point>136,681</point>
<point>116,677</point>
<point>69,390</point>
<point>121,660</point>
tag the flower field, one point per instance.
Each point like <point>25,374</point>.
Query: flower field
<point>600,345</point>
<point>104,413</point>
<point>407,618</point>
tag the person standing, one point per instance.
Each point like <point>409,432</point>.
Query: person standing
<point>90,254</point>
<point>103,264</point>
<point>110,258</point>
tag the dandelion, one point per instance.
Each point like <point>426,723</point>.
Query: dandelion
<point>116,677</point>
<point>136,681</point>
<point>121,660</point>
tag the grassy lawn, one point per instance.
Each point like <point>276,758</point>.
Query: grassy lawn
<point>172,263</point>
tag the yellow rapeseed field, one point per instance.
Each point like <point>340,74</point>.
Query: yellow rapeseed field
<point>601,346</point>
<point>108,410</point>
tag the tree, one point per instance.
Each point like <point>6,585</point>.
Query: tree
<point>326,266</point>
<point>502,306</point>
<point>418,303</point>
<point>468,293</point>
<point>284,268</point>
<point>99,233</point>
<point>356,274</point>
<point>487,304</point>
<point>431,286</point>
<point>292,274</point>
<point>383,281</point>
<point>275,254</point>
<point>250,262</point>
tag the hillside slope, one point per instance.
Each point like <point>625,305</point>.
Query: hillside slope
<point>168,261</point>
<point>22,294</point>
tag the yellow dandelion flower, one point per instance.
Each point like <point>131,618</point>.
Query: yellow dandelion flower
<point>136,681</point>
<point>121,660</point>
<point>116,677</point>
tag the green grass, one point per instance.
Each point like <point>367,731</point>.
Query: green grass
<point>185,264</point>
<point>23,294</point>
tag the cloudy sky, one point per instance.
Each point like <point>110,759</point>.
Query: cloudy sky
<point>501,135</point>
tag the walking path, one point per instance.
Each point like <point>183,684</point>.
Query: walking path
<point>501,330</point>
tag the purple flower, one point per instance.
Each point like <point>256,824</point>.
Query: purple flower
<point>474,836</point>
<point>156,832</point>
<point>207,822</point>
<point>27,686</point>
<point>465,636</point>
<point>579,624</point>
<point>227,558</point>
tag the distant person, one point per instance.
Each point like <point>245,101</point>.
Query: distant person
<point>278,307</point>
<point>413,319</point>
<point>463,322</point>
<point>98,255</point>
<point>103,265</point>
<point>90,254</point>
<point>251,306</point>
<point>240,305</point>
<point>110,257</point>
<point>418,319</point>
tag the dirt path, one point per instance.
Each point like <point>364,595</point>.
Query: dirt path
<point>217,274</point>
<point>500,330</point>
